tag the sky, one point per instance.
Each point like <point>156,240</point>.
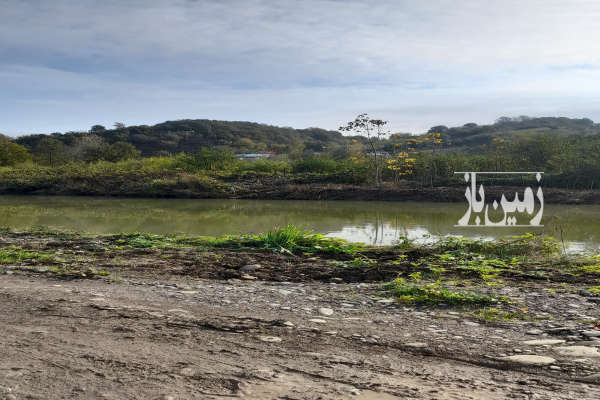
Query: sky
<point>69,64</point>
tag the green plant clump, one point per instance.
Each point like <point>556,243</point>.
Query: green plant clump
<point>432,293</point>
<point>15,254</point>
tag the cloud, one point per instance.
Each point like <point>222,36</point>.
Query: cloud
<point>299,63</point>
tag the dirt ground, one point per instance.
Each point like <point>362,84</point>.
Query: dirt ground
<point>155,329</point>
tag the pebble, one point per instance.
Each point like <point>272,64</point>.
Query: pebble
<point>563,330</point>
<point>416,345</point>
<point>250,267</point>
<point>317,321</point>
<point>248,277</point>
<point>534,332</point>
<point>270,339</point>
<point>470,323</point>
<point>187,372</point>
<point>543,342</point>
<point>533,360</point>
<point>284,292</point>
<point>578,351</point>
<point>325,311</point>
<point>591,333</point>
<point>591,378</point>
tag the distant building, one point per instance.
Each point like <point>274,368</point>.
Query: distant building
<point>379,153</point>
<point>254,156</point>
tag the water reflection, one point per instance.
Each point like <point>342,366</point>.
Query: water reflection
<point>375,223</point>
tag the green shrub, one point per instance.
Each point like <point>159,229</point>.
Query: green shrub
<point>433,293</point>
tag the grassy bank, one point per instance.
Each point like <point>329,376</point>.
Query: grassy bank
<point>451,272</point>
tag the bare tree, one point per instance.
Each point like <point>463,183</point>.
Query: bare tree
<point>374,131</point>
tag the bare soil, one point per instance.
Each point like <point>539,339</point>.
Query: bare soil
<point>212,324</point>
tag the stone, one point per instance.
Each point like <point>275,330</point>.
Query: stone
<point>543,342</point>
<point>581,360</point>
<point>288,323</point>
<point>248,277</point>
<point>317,321</point>
<point>325,311</point>
<point>563,330</point>
<point>530,360</point>
<point>416,345</point>
<point>250,267</point>
<point>470,323</point>
<point>284,292</point>
<point>595,378</point>
<point>270,339</point>
<point>591,333</point>
<point>189,372</point>
<point>577,351</point>
<point>534,332</point>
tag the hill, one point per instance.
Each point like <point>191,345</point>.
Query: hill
<point>474,136</point>
<point>187,136</point>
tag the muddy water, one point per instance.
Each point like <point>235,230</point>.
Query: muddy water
<point>377,223</point>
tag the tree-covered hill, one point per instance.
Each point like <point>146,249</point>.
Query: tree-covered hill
<point>475,136</point>
<point>188,136</point>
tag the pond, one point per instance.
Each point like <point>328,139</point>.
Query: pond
<point>374,223</point>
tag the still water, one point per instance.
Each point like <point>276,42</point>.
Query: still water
<point>375,223</point>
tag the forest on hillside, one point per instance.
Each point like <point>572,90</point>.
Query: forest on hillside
<point>567,150</point>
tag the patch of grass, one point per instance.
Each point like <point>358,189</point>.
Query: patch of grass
<point>590,269</point>
<point>595,290</point>
<point>361,262</point>
<point>506,248</point>
<point>139,240</point>
<point>432,293</point>
<point>293,239</point>
<point>289,239</point>
<point>491,314</point>
<point>15,254</point>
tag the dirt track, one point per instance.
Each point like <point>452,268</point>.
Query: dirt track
<point>181,324</point>
<point>96,339</point>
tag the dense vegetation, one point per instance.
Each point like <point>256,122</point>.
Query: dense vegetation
<point>188,136</point>
<point>185,158</point>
